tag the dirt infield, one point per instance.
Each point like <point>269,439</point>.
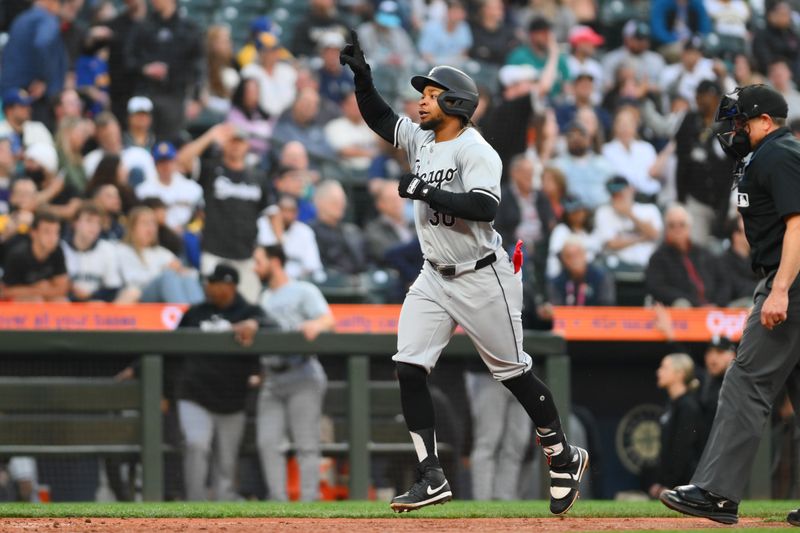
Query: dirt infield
<point>253,525</point>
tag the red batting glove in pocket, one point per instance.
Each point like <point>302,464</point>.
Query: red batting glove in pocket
<point>517,257</point>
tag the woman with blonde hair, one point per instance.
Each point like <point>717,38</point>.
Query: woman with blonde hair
<point>72,134</point>
<point>681,424</point>
<point>221,76</point>
<point>150,272</point>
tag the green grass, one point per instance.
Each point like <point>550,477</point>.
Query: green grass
<point>767,510</point>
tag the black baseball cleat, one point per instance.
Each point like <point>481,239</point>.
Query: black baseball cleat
<point>794,517</point>
<point>430,488</point>
<point>694,501</point>
<point>565,481</point>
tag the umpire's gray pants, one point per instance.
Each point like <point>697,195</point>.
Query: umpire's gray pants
<point>501,433</point>
<point>291,400</point>
<point>200,427</point>
<point>765,361</point>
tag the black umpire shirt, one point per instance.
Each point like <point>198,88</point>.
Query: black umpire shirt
<point>768,192</point>
<point>218,383</point>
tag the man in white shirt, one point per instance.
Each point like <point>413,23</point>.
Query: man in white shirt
<point>682,78</point>
<point>276,79</point>
<point>108,135</point>
<point>299,242</point>
<point>350,136</point>
<point>628,231</point>
<point>181,195</point>
<point>18,126</point>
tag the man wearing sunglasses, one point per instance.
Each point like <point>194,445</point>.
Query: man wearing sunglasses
<point>767,184</point>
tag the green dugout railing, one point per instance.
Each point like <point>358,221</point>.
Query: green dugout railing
<point>356,348</point>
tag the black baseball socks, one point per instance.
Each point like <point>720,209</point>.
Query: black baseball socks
<point>417,404</point>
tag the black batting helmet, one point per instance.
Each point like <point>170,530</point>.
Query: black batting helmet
<point>460,96</point>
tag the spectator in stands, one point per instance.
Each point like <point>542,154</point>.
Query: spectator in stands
<point>248,53</point>
<point>780,77</point>
<point>150,272</point>
<point>235,197</point>
<point>335,82</point>
<point>320,18</point>
<point>68,104</point>
<point>585,170</point>
<point>632,157</point>
<point>91,262</point>
<point>683,77</point>
<point>681,425</point>
<point>554,189</point>
<point>299,243</point>
<point>675,21</point>
<point>354,142</point>
<point>140,122</point>
<point>18,125</point>
<point>166,52</point>
<point>492,37</point>
<point>584,87</point>
<point>181,196</point>
<point>635,52</point>
<point>389,48</point>
<point>719,355</point>
<point>135,159</point>
<point>744,71</point>
<point>576,222</point>
<point>35,58</point>
<point>584,42</point>
<point>390,228</point>
<point>341,244</point>
<point>7,173</point>
<point>580,283</point>
<point>301,123</point>
<point>541,44</point>
<point>738,279</point>
<point>121,72</point>
<point>221,76</point>
<point>703,169</point>
<point>628,231</point>
<point>15,225</point>
<point>296,183</point>
<point>524,212</point>
<point>247,114</point>
<point>276,78</point>
<point>292,386</point>
<point>41,165</point>
<point>34,269</point>
<point>167,237</point>
<point>730,18</point>
<point>109,201</point>
<point>447,41</point>
<point>111,171</point>
<point>681,273</point>
<point>212,390</point>
<point>72,135</point>
<point>778,39</point>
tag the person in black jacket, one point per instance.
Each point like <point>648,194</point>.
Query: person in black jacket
<point>777,39</point>
<point>738,281</point>
<point>681,273</point>
<point>718,357</point>
<point>212,390</point>
<point>681,424</point>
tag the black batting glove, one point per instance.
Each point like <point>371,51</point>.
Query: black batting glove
<point>352,56</point>
<point>412,186</point>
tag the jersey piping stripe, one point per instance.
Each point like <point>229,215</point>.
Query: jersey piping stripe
<point>397,127</point>
<point>487,193</point>
<point>508,311</point>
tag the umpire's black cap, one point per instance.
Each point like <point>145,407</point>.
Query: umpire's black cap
<point>752,101</point>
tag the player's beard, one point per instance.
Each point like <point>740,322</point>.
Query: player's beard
<point>431,124</point>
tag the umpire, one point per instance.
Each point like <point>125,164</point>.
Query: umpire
<point>768,197</point>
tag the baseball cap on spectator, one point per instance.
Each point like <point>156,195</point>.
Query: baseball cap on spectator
<point>636,29</point>
<point>16,97</point>
<point>539,24</point>
<point>388,14</point>
<point>164,151</point>
<point>617,184</point>
<point>267,41</point>
<point>224,273</point>
<point>512,74</point>
<point>263,24</point>
<point>585,34</point>
<point>44,155</point>
<point>331,39</point>
<point>572,204</point>
<point>708,86</point>
<point>584,75</point>
<point>140,104</point>
<point>722,343</point>
<point>695,42</point>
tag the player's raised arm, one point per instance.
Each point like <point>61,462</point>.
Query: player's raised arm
<point>376,112</point>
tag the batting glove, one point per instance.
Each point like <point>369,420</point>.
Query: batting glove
<point>352,56</point>
<point>412,186</point>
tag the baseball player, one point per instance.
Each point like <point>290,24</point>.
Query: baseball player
<point>467,278</point>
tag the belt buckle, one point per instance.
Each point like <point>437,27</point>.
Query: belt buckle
<point>446,270</point>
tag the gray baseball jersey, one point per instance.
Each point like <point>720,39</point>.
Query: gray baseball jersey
<point>467,163</point>
<point>486,303</point>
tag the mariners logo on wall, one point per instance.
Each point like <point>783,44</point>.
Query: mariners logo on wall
<point>638,439</point>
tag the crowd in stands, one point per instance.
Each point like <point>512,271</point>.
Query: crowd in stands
<point>159,146</point>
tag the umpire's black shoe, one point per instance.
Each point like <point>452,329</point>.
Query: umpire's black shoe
<point>565,481</point>
<point>430,488</point>
<point>694,501</point>
<point>794,517</point>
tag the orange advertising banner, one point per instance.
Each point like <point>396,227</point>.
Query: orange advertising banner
<point>574,323</point>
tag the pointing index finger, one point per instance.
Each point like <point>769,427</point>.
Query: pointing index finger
<point>354,38</point>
